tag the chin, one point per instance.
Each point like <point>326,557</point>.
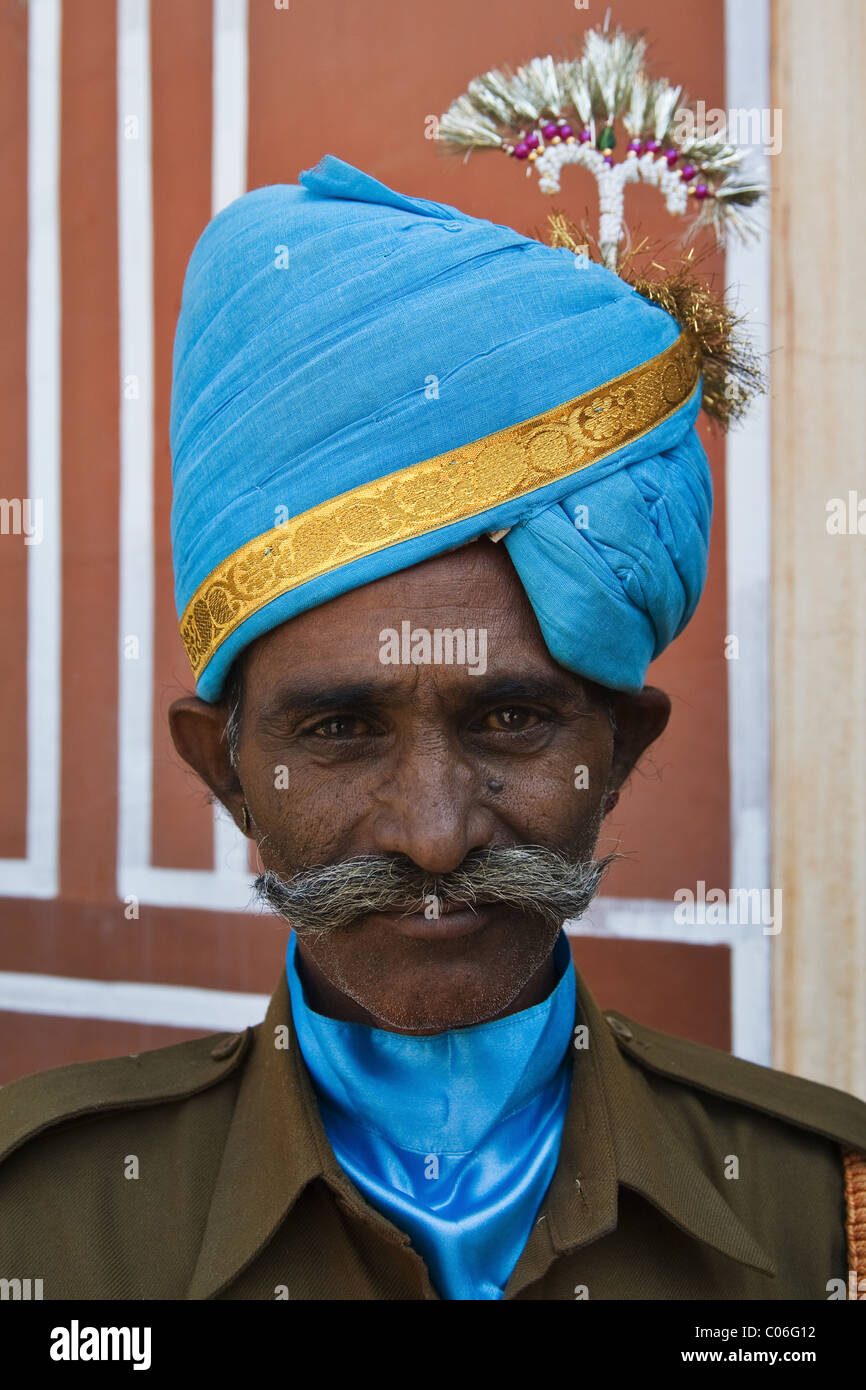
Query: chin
<point>413,985</point>
<point>416,1008</point>
<point>428,1025</point>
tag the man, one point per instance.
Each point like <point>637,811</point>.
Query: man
<point>438,502</point>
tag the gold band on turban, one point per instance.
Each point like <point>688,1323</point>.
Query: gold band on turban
<point>452,487</point>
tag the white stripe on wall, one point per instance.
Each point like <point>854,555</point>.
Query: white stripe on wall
<point>170,1006</point>
<point>186,1007</point>
<point>652,919</point>
<point>230,77</point>
<point>747,271</point>
<point>35,876</point>
<point>135,249</point>
<point>175,1006</point>
<point>43,425</point>
<point>228,886</point>
<point>229,181</point>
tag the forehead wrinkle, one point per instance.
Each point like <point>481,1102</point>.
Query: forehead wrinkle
<point>469,598</point>
<point>468,569</point>
<point>429,595</point>
<point>502,615</point>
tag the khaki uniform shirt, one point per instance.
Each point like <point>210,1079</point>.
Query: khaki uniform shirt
<point>202,1171</point>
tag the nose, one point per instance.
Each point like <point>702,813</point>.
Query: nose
<point>431,808</point>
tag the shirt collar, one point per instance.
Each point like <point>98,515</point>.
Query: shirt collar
<point>276,1146</point>
<point>614,1133</point>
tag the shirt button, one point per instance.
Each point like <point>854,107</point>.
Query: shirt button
<point>619,1028</point>
<point>226,1048</point>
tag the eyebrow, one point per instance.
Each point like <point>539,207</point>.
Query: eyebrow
<point>308,698</point>
<point>301,697</point>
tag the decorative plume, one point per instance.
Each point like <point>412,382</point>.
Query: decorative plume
<point>551,113</point>
<point>532,115</point>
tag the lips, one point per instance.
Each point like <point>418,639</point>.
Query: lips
<point>454,920</point>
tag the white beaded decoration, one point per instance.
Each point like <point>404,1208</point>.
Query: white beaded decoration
<point>611,180</point>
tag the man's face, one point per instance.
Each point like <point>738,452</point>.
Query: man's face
<point>343,755</point>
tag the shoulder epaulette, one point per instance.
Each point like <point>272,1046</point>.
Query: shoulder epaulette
<point>808,1104</point>
<point>33,1104</point>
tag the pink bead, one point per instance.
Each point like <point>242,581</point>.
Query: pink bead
<point>636,146</point>
<point>653,146</point>
<point>549,130</point>
<point>702,191</point>
<point>521,150</point>
<point>688,172</point>
<point>608,159</point>
<point>565,131</point>
<point>585,136</point>
<point>671,156</point>
<point>531,141</point>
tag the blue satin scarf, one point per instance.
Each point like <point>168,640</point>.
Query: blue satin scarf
<point>454,1136</point>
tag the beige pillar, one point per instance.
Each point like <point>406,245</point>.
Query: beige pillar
<point>819,579</point>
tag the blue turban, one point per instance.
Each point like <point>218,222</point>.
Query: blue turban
<point>363,380</point>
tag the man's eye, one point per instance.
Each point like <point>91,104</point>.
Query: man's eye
<point>340,726</point>
<point>511,719</point>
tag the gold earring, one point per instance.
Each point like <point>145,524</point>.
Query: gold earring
<point>245,819</point>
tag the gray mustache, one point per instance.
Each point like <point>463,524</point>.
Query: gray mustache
<point>530,879</point>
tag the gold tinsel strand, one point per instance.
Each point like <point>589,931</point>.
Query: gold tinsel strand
<point>731,370</point>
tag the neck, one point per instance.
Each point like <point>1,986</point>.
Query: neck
<point>325,998</point>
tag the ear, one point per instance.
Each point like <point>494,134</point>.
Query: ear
<point>640,719</point>
<point>198,734</point>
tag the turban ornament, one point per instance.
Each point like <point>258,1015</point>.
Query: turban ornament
<point>532,115</point>
<point>363,380</point>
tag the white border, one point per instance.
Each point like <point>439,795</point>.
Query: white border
<point>230,87</point>
<point>136,560</point>
<point>168,1006</point>
<point>652,919</point>
<point>36,876</point>
<point>747,473</point>
<point>229,181</point>
<point>228,886</point>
